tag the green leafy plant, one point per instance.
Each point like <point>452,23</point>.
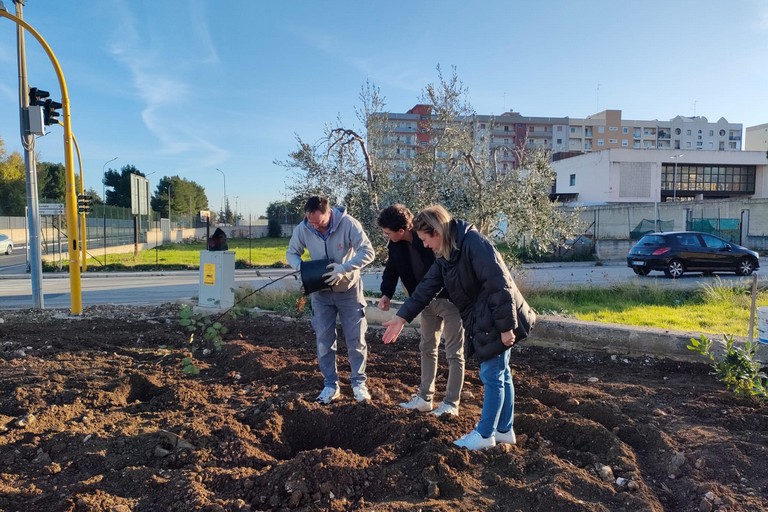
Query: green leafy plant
<point>210,330</point>
<point>737,368</point>
<point>188,366</point>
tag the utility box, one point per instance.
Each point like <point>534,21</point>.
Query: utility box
<point>217,279</point>
<point>36,120</point>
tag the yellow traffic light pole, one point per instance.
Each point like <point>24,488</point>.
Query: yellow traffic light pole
<point>83,231</point>
<point>69,171</point>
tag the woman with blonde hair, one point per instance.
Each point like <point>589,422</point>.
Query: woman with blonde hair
<point>494,313</point>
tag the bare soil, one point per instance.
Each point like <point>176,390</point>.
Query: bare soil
<point>97,414</point>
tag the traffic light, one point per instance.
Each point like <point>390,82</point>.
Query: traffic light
<point>84,203</point>
<point>36,97</point>
<point>50,116</point>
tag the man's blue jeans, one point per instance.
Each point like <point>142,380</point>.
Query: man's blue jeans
<point>498,396</point>
<point>350,309</point>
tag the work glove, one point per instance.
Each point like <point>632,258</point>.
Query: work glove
<point>334,275</point>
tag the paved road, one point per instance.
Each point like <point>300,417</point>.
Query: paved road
<point>160,287</point>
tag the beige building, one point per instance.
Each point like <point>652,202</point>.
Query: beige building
<point>756,138</point>
<point>607,129</point>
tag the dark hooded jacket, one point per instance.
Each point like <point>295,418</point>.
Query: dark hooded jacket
<point>479,284</point>
<point>399,266</point>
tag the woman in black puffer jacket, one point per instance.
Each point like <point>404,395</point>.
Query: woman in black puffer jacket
<point>493,311</point>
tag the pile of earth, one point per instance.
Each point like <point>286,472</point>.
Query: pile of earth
<point>100,412</point>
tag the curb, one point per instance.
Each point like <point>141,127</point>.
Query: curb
<point>571,334</point>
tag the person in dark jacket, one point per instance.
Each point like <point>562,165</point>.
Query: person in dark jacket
<point>494,313</point>
<point>409,261</point>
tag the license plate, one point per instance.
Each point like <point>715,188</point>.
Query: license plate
<point>638,263</point>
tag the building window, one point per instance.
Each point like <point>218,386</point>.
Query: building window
<point>482,126</point>
<point>613,128</point>
<point>711,133</point>
<point>612,141</point>
<point>573,129</point>
<point>559,141</point>
<point>599,142</point>
<point>677,131</point>
<point>722,133</point>
<point>559,128</point>
<point>600,129</point>
<point>687,132</point>
<point>625,130</point>
<point>624,143</point>
<point>573,180</point>
<point>506,128</point>
<point>708,180</point>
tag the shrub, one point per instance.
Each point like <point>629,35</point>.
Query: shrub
<point>737,369</point>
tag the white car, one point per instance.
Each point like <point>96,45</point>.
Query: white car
<point>6,245</point>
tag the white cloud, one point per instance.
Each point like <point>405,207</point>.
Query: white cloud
<point>163,92</point>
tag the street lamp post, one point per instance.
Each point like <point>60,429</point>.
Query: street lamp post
<point>104,205</point>
<point>169,203</point>
<point>235,214</point>
<point>674,178</point>
<point>225,192</point>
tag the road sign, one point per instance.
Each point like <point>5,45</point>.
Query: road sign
<point>50,208</point>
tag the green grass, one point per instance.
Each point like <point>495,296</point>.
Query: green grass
<point>257,252</point>
<point>718,307</point>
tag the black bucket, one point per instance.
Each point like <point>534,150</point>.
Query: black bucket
<point>312,279</point>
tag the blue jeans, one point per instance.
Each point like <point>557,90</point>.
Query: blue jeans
<point>498,396</point>
<point>349,306</point>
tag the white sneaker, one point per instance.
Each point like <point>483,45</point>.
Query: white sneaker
<point>417,403</point>
<point>328,395</point>
<point>361,393</point>
<point>445,408</point>
<point>505,437</point>
<point>474,441</point>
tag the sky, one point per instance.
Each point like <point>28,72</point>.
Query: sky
<point>216,92</point>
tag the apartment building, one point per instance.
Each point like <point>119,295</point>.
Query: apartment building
<point>409,131</point>
<point>607,129</point>
<point>756,138</point>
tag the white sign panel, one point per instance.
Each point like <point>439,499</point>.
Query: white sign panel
<point>139,195</point>
<point>50,208</point>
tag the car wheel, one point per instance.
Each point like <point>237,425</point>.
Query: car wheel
<point>641,271</point>
<point>9,249</point>
<point>745,267</point>
<point>675,269</point>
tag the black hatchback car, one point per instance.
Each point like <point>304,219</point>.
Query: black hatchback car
<point>677,252</point>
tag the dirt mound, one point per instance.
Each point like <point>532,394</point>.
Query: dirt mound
<point>98,415</point>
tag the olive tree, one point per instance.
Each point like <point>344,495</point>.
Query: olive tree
<point>451,165</point>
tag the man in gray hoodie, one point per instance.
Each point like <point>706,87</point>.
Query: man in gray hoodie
<point>332,234</point>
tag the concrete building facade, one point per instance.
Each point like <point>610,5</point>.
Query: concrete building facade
<point>621,175</point>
